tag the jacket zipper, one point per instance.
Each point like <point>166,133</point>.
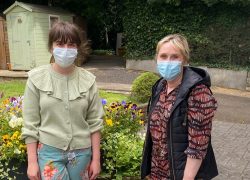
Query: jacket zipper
<point>171,149</point>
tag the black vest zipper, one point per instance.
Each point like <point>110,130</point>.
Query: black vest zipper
<point>171,149</point>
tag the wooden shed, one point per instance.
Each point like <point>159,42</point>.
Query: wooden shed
<point>28,26</point>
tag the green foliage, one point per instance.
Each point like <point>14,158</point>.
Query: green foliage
<point>230,2</point>
<point>122,123</point>
<point>142,85</point>
<point>217,35</point>
<point>207,2</point>
<point>104,19</point>
<point>122,117</point>
<point>103,52</point>
<point>123,154</point>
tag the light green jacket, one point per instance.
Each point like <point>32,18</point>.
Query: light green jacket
<point>61,111</point>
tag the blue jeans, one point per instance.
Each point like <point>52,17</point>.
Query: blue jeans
<point>57,164</point>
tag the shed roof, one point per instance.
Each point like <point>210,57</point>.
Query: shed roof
<point>39,8</point>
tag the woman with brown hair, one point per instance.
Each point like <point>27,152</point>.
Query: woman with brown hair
<point>62,113</point>
<point>178,141</point>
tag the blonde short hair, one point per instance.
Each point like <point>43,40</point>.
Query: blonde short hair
<point>179,41</point>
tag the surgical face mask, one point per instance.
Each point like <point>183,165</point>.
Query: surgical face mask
<point>64,57</point>
<point>169,70</point>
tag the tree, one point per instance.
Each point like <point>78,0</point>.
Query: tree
<point>207,2</point>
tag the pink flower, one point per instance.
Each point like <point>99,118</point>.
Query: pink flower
<point>49,171</point>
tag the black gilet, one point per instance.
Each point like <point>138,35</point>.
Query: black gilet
<point>178,129</point>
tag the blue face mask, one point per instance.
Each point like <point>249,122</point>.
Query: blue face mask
<point>169,70</point>
<point>64,57</point>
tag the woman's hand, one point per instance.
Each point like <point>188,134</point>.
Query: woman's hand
<point>94,169</point>
<point>191,169</point>
<point>95,165</point>
<point>33,171</point>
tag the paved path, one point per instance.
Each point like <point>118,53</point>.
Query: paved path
<point>231,142</point>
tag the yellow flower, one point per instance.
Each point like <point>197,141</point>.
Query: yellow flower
<point>15,136</point>
<point>109,122</point>
<point>6,101</point>
<point>9,144</point>
<point>141,122</point>
<point>6,138</point>
<point>21,146</point>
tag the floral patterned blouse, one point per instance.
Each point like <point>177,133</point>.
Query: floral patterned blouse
<point>201,108</point>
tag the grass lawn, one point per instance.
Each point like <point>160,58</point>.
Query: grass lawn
<point>16,88</point>
<point>11,88</point>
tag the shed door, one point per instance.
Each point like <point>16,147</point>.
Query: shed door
<point>20,58</point>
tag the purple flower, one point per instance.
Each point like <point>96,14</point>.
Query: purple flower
<point>133,115</point>
<point>12,99</point>
<point>134,106</point>
<point>124,103</point>
<point>104,101</point>
<point>15,103</point>
<point>19,99</point>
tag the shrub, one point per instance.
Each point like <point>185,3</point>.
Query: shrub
<point>122,124</point>
<point>142,85</point>
<point>123,154</point>
<point>102,52</point>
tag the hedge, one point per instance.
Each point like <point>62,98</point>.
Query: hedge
<point>218,35</point>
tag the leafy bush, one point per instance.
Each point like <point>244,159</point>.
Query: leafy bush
<point>142,85</point>
<point>123,154</point>
<point>122,123</point>
<point>103,52</point>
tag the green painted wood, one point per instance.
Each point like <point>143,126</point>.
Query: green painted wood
<point>28,37</point>
<point>21,40</point>
<point>17,9</point>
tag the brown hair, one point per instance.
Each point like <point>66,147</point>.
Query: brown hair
<point>64,32</point>
<point>179,41</point>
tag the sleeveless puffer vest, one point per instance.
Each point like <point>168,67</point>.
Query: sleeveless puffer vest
<point>178,129</point>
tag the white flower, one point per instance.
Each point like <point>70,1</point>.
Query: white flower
<point>14,121</point>
<point>17,151</point>
<point>19,121</point>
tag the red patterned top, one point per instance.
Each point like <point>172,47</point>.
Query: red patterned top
<point>201,108</point>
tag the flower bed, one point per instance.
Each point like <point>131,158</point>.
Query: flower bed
<point>121,144</point>
<point>12,148</point>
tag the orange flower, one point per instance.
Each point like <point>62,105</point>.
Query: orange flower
<point>5,138</point>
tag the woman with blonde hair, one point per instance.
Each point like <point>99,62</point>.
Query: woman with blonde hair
<point>180,111</point>
<point>62,113</point>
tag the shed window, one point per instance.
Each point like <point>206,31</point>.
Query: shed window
<point>53,20</point>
